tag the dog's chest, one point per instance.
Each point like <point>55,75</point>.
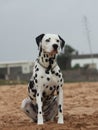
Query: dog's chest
<point>50,83</point>
<point>50,79</point>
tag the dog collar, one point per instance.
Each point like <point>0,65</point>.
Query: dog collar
<point>47,68</point>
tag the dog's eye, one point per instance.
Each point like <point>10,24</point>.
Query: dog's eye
<point>57,40</point>
<point>47,40</point>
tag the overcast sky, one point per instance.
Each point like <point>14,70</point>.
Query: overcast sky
<point>22,20</point>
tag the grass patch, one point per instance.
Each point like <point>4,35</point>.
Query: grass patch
<point>11,82</point>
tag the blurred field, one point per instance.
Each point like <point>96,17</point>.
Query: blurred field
<point>80,108</point>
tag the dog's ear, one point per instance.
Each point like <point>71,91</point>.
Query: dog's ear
<point>39,38</point>
<point>62,42</point>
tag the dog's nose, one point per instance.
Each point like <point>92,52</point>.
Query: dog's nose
<point>55,46</point>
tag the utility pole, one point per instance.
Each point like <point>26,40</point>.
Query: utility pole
<point>88,37</point>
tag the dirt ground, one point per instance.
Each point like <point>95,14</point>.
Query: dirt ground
<point>80,108</point>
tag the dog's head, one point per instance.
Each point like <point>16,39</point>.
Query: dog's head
<point>50,43</point>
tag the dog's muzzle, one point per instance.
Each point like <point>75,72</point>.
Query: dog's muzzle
<point>55,49</point>
<point>55,46</point>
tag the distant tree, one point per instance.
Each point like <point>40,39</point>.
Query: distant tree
<point>76,66</point>
<point>86,66</point>
<point>68,51</point>
<point>64,59</point>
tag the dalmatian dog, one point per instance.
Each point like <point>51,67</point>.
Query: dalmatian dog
<point>45,89</point>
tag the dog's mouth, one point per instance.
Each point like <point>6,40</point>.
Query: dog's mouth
<point>54,51</point>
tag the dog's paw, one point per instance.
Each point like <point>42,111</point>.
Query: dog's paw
<point>60,121</point>
<point>40,121</point>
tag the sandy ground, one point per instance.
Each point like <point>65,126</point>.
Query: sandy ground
<point>80,108</point>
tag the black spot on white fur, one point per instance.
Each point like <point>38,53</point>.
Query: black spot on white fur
<point>57,92</point>
<point>44,94</point>
<point>60,108</point>
<point>42,77</point>
<point>46,60</point>
<point>47,72</point>
<point>31,84</point>
<point>37,94</point>
<point>37,69</point>
<point>47,86</point>
<point>57,87</point>
<point>48,78</point>
<point>51,88</point>
<point>35,75</point>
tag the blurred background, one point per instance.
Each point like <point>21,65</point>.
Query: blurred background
<point>75,21</point>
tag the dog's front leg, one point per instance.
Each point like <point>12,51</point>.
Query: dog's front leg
<point>60,106</point>
<point>39,103</point>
